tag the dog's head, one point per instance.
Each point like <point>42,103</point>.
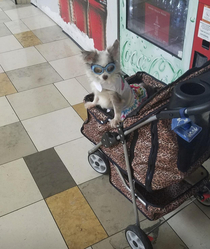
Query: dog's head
<point>102,66</point>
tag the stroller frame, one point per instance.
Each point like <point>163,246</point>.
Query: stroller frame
<point>121,137</point>
<point>155,116</point>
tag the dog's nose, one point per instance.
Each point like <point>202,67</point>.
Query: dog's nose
<point>105,77</point>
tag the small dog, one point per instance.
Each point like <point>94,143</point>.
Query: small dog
<point>109,88</point>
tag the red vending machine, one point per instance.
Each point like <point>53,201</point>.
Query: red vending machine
<point>65,10</point>
<point>97,14</point>
<point>201,43</point>
<point>79,14</point>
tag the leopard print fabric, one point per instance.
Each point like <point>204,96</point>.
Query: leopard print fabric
<point>166,171</point>
<point>160,202</point>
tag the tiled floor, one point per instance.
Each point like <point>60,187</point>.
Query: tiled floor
<point>50,198</point>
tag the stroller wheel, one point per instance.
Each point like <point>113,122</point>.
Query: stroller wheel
<point>137,238</point>
<point>204,196</point>
<point>99,162</point>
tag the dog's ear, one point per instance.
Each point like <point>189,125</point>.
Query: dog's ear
<point>89,56</point>
<point>114,49</point>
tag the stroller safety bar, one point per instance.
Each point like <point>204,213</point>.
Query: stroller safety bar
<point>97,146</point>
<point>166,114</point>
<point>194,110</point>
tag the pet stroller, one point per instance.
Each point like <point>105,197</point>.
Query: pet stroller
<point>154,157</point>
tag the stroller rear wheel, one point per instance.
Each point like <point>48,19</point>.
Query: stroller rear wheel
<point>204,196</point>
<point>137,238</point>
<point>99,162</point>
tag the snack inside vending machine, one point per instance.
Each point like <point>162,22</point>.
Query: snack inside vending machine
<point>157,36</point>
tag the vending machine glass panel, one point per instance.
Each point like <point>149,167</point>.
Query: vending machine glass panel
<point>156,36</point>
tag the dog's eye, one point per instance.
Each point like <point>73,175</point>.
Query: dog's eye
<point>110,68</point>
<point>97,70</point>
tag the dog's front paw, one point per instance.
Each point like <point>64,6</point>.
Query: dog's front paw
<point>114,122</point>
<point>89,105</point>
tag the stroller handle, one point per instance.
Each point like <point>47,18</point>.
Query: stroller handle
<point>194,110</point>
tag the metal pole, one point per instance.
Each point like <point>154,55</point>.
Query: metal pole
<point>131,183</point>
<point>95,148</point>
<point>150,119</point>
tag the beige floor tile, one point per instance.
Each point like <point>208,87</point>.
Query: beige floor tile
<point>4,31</point>
<point>34,76</point>
<point>16,26</point>
<point>116,241</point>
<point>114,211</point>
<point>24,12</point>
<point>58,49</point>
<point>50,34</point>
<point>3,17</point>
<point>9,43</point>
<point>192,226</point>
<point>81,111</point>
<point>69,67</point>
<point>17,187</point>
<point>8,115</point>
<point>1,70</point>
<point>75,219</point>
<point>28,39</point>
<point>72,91</point>
<point>14,143</point>
<point>85,82</point>
<point>37,101</point>
<point>164,236</point>
<point>31,227</point>
<point>74,155</point>
<point>20,58</point>
<point>6,85</point>
<point>38,22</point>
<point>54,128</point>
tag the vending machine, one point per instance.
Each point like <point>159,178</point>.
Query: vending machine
<point>65,10</point>
<point>97,15</point>
<point>201,43</point>
<point>79,14</point>
<point>157,36</point>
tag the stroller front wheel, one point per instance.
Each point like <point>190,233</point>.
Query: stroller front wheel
<point>204,196</point>
<point>137,238</point>
<point>99,162</point>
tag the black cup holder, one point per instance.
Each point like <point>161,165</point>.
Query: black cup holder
<point>192,88</point>
<point>190,93</point>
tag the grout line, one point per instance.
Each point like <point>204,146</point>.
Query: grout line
<point>21,207</point>
<point>55,222</point>
<point>49,63</point>
<point>178,236</point>
<point>201,209</point>
<point>92,208</point>
<point>46,113</point>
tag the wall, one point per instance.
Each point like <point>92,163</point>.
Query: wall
<point>91,23</point>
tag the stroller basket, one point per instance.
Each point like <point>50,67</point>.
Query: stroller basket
<point>161,202</point>
<point>158,156</point>
<point>148,162</point>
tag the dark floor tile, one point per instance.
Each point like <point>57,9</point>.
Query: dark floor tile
<point>49,172</point>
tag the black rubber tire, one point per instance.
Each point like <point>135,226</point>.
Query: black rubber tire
<point>99,162</point>
<point>137,238</point>
<point>206,189</point>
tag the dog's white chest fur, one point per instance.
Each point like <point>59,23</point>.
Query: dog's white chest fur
<point>104,92</point>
